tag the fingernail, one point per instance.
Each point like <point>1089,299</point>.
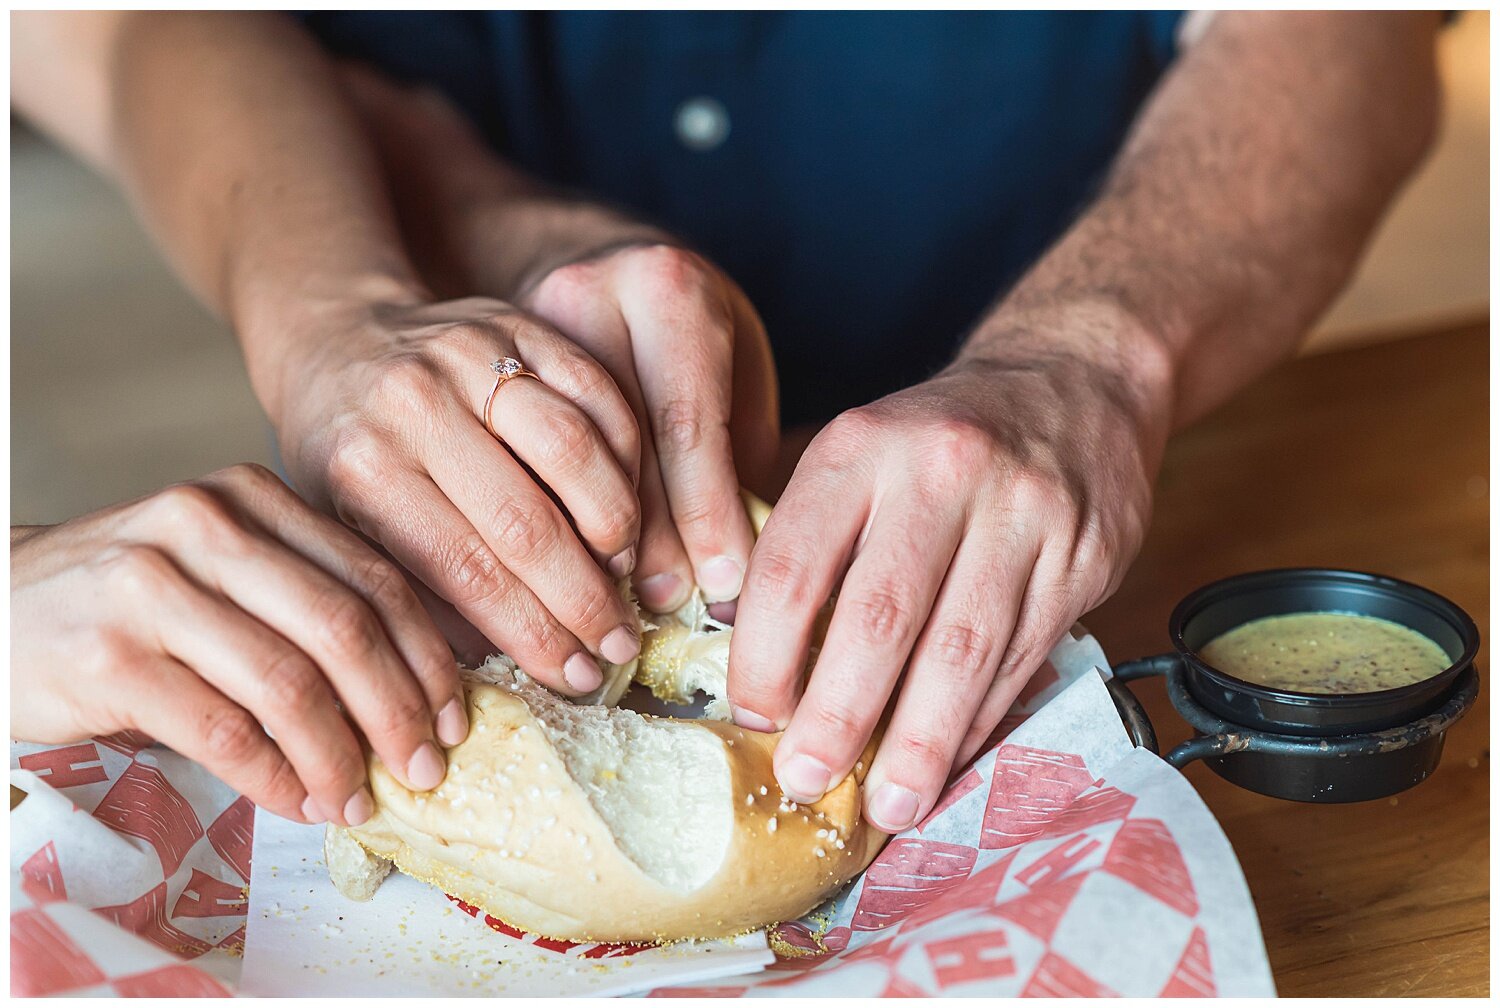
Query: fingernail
<point>751,720</point>
<point>621,645</point>
<point>725,612</point>
<point>623,562</point>
<point>425,769</point>
<point>310,811</point>
<point>359,808</point>
<point>803,779</point>
<point>453,723</point>
<point>582,673</point>
<point>894,808</point>
<point>720,578</point>
<point>662,592</point>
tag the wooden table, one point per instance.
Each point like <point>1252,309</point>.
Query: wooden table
<point>1376,459</point>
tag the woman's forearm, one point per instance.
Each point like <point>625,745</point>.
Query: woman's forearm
<point>240,151</point>
<point>1239,205</point>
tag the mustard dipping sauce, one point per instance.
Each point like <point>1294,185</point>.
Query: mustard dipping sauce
<point>1325,652</point>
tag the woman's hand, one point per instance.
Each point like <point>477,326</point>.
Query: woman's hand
<point>380,409</point>
<point>212,608</point>
<point>977,515</point>
<point>690,355</point>
<point>679,338</point>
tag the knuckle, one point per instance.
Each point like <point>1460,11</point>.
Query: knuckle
<point>473,569</point>
<point>848,431</point>
<point>594,607</point>
<point>400,714</point>
<point>357,459</point>
<point>567,444</point>
<point>618,522</point>
<point>384,586</point>
<point>578,377</point>
<point>345,625</point>
<point>231,734</point>
<point>250,474</point>
<point>138,569</point>
<point>526,531</point>
<point>923,749</point>
<point>961,647</point>
<point>756,689</point>
<point>460,337</point>
<point>571,285</point>
<point>700,509</point>
<point>279,785</point>
<point>195,509</point>
<point>1046,495</point>
<point>882,615</point>
<point>288,683</point>
<point>1032,641</point>
<point>668,268</point>
<point>781,578</point>
<point>679,425</point>
<point>109,649</point>
<point>960,445</point>
<point>546,639</point>
<point>839,724</point>
<point>406,382</point>
<point>343,766</point>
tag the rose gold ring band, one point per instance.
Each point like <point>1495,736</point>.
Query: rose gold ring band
<point>505,369</point>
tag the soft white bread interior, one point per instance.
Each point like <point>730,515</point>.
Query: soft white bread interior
<point>355,871</point>
<point>590,822</point>
<point>602,824</point>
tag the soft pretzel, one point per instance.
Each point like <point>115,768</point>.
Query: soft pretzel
<point>590,822</point>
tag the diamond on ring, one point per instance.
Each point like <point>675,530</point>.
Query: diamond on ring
<point>506,367</point>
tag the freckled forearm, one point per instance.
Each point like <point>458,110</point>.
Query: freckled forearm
<point>1238,207</point>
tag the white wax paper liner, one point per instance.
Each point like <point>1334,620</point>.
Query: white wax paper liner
<point>1062,862</point>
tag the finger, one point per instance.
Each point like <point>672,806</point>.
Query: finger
<point>180,710</point>
<point>682,331</point>
<point>341,553</point>
<point>663,573</point>
<point>755,414</point>
<point>588,382</point>
<point>1042,617</point>
<point>801,553</point>
<point>666,575</point>
<point>586,473</point>
<point>882,606</point>
<point>467,643</point>
<point>534,542</point>
<point>562,446</point>
<point>263,673</point>
<point>433,540</point>
<point>952,665</point>
<point>328,622</point>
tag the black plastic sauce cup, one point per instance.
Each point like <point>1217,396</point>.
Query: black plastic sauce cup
<point>1315,747</point>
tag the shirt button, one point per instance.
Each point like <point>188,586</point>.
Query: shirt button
<point>702,123</point>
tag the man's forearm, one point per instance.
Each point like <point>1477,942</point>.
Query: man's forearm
<point>241,152</point>
<point>1238,206</point>
<point>472,221</point>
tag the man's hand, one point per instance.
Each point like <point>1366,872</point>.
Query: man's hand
<point>210,609</point>
<point>690,355</point>
<point>379,410</point>
<point>977,515</point>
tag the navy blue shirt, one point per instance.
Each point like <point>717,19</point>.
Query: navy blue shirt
<point>873,181</point>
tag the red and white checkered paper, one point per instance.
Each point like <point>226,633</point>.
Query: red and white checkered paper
<point>1063,862</point>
